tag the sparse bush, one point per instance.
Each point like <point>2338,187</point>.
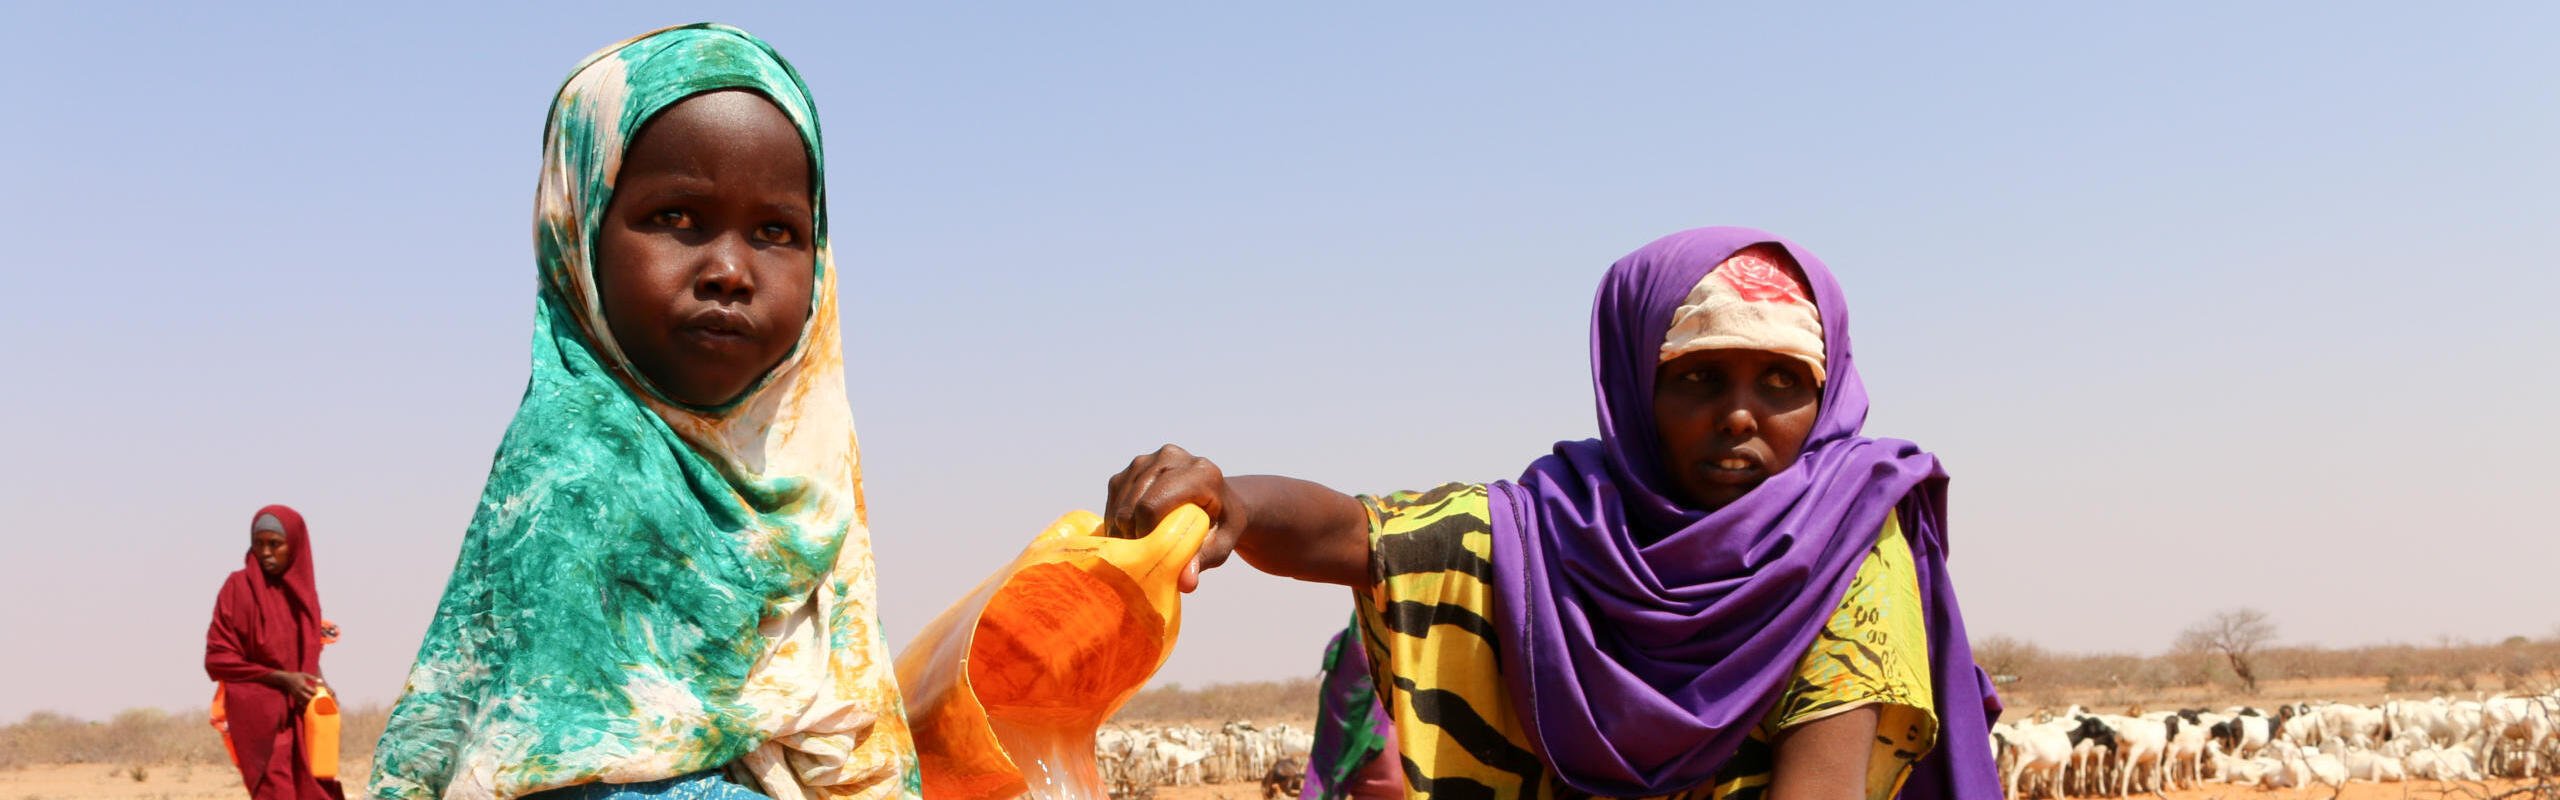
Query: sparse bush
<point>358,729</point>
<point>2237,636</point>
<point>2010,660</point>
<point>1292,699</point>
<point>2395,680</point>
<point>140,738</point>
<point>2043,679</point>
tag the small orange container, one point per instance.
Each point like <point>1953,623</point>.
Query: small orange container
<point>320,735</point>
<point>221,719</point>
<point>1007,687</point>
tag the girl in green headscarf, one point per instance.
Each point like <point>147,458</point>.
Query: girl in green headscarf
<point>668,579</point>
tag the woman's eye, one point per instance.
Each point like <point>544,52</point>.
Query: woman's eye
<point>672,219</point>
<point>1779,379</point>
<point>777,234</point>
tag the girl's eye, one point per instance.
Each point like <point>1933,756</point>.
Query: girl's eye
<point>1779,379</point>
<point>777,234</point>
<point>672,219</point>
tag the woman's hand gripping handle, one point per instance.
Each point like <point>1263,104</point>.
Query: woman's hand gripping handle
<point>1283,526</point>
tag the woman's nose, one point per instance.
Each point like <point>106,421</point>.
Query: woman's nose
<point>1740,422</point>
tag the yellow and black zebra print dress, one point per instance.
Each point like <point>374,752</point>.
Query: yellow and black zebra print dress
<point>1426,618</point>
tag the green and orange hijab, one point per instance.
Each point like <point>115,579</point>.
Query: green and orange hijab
<point>650,589</point>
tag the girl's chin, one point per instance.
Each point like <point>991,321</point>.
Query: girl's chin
<point>700,393</point>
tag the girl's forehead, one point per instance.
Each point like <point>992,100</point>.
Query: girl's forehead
<point>741,109</point>
<point>734,108</point>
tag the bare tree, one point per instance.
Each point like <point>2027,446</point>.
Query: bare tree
<point>2236,634</point>
<point>2007,658</point>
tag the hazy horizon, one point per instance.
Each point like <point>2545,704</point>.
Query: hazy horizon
<point>2152,281</point>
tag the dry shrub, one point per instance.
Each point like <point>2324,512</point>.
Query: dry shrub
<point>2449,667</point>
<point>2038,678</point>
<point>138,738</point>
<point>1290,699</point>
<point>358,729</point>
<point>134,737</point>
<point>2010,661</point>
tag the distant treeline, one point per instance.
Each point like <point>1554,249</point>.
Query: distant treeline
<point>1292,699</point>
<point>145,737</point>
<point>2032,676</point>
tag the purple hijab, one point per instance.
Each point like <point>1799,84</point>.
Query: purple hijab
<point>1692,638</point>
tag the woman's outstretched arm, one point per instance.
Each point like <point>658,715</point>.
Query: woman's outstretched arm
<point>1283,526</point>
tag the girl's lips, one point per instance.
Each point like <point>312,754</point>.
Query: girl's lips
<point>711,336</point>
<point>717,327</point>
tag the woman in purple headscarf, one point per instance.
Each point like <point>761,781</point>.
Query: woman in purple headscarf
<point>1732,593</point>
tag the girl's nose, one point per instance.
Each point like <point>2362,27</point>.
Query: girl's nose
<point>725,275</point>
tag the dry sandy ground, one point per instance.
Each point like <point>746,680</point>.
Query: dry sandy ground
<point>103,782</point>
<point>2425,790</point>
<point>207,782</point>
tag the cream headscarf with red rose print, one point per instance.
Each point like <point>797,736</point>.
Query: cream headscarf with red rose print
<point>1748,303</point>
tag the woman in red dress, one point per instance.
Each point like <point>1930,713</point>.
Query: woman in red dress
<point>264,648</point>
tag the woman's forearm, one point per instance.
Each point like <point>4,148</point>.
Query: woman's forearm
<point>1301,529</point>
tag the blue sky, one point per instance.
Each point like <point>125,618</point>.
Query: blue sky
<point>2203,307</point>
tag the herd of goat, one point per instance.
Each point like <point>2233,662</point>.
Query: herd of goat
<point>2072,754</point>
<point>1133,757</point>
<point>2080,754</point>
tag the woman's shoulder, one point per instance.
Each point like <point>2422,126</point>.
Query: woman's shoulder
<point>1432,547</point>
<point>235,583</point>
<point>236,597</point>
<point>1396,512</point>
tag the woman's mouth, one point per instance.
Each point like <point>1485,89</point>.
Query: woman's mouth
<point>1734,470</point>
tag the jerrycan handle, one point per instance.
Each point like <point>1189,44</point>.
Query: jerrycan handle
<point>1159,557</point>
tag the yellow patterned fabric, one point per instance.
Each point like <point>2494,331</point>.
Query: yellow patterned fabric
<point>1426,618</point>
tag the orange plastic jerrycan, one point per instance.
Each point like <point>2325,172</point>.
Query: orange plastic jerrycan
<point>221,719</point>
<point>1007,687</point>
<point>320,735</point>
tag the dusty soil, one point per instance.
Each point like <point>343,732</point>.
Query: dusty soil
<point>2420,790</point>
<point>208,782</point>
<point>157,782</point>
